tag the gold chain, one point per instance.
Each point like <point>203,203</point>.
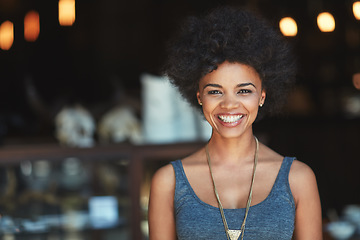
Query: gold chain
<point>242,229</point>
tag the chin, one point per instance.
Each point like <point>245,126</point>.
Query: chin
<point>230,134</point>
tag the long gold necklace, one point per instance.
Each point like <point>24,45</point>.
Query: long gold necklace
<point>234,234</point>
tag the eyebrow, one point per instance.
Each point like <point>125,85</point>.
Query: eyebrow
<point>219,86</point>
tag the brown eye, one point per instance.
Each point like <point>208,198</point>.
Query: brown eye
<point>245,91</point>
<point>213,92</point>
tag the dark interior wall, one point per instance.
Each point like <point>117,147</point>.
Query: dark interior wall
<point>115,40</point>
<point>121,39</point>
<point>329,146</point>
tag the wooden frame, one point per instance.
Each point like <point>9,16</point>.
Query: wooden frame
<point>137,155</point>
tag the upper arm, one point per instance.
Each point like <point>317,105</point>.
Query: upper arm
<point>308,219</point>
<point>161,205</point>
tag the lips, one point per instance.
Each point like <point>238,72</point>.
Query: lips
<point>230,118</point>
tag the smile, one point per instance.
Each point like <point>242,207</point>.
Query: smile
<point>230,118</point>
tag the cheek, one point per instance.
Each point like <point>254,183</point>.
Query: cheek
<point>252,102</point>
<point>209,107</point>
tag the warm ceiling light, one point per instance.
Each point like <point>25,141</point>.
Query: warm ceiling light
<point>31,26</point>
<point>326,22</point>
<point>66,12</point>
<point>288,27</point>
<point>6,35</point>
<point>356,10</point>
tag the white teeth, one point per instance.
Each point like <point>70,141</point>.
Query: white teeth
<point>231,118</point>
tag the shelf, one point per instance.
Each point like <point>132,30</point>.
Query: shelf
<point>136,155</point>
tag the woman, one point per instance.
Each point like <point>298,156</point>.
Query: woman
<point>235,68</point>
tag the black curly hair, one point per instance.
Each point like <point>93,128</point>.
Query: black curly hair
<point>234,35</point>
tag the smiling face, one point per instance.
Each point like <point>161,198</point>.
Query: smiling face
<point>230,97</point>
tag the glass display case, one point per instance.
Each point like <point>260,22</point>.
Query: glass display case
<point>52,192</point>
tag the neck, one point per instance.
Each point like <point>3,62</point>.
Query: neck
<point>232,150</point>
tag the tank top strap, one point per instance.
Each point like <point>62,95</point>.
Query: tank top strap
<point>177,165</point>
<point>183,191</point>
<point>180,178</point>
<point>282,179</point>
<point>285,167</point>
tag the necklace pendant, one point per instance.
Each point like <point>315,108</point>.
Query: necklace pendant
<point>234,234</point>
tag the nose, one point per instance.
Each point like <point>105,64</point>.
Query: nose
<point>229,102</point>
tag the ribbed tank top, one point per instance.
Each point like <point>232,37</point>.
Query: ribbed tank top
<point>271,219</point>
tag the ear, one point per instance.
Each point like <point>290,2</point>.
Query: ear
<point>198,97</point>
<point>263,96</point>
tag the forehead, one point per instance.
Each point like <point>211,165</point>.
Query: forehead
<point>232,73</point>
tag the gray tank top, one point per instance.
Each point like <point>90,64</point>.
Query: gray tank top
<point>272,218</point>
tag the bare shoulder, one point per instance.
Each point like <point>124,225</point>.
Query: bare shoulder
<point>308,220</point>
<point>164,178</point>
<point>301,172</point>
<point>302,180</point>
<point>161,207</point>
<point>162,189</point>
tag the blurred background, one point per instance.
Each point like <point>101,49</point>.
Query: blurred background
<point>86,117</point>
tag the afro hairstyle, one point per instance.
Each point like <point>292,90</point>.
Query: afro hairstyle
<point>233,35</point>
